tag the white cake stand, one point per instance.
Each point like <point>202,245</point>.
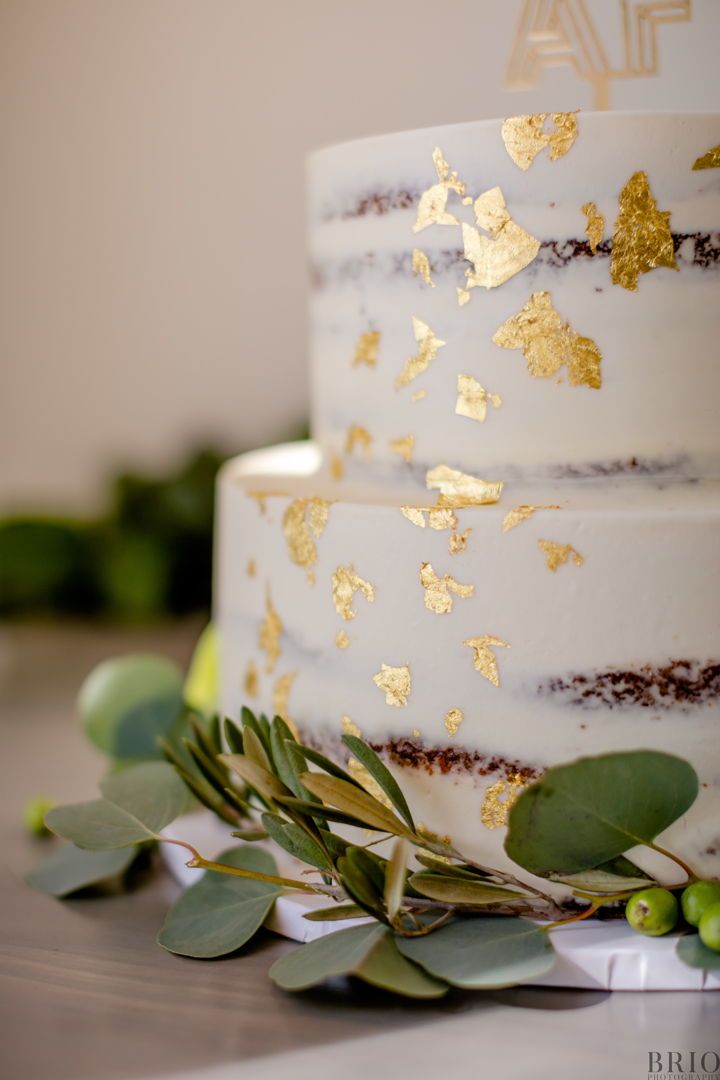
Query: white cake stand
<point>590,955</point>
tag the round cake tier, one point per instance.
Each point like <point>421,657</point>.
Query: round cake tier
<point>531,298</point>
<point>475,647</point>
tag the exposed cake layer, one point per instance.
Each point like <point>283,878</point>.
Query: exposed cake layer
<point>538,322</point>
<point>476,646</point>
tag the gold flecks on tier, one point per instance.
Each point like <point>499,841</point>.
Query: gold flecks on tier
<point>421,266</point>
<point>358,771</point>
<point>460,489</point>
<point>395,681</point>
<point>473,399</point>
<point>438,517</point>
<point>418,395</point>
<point>558,554</point>
<point>251,680</point>
<point>548,343</point>
<point>522,513</point>
<point>366,350</point>
<point>711,160</point>
<point>260,498</point>
<point>429,347</point>
<point>251,568</point>
<point>463,297</point>
<point>304,522</point>
<point>453,719</point>
<point>498,800</point>
<point>359,437</point>
<point>345,583</point>
<point>415,733</point>
<point>642,240</point>
<point>438,590</point>
<point>432,208</point>
<point>269,636</point>
<point>594,225</point>
<point>484,659</point>
<point>349,727</point>
<point>403,447</point>
<point>280,695</point>
<point>525,136</point>
<point>498,257</point>
<point>337,469</point>
<point>342,640</point>
<point>458,541</point>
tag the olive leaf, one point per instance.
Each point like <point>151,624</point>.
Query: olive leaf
<point>454,889</point>
<point>580,815</point>
<point>296,841</point>
<point>616,875</point>
<point>395,874</point>
<point>233,736</point>
<point>354,801</point>
<point>70,868</point>
<point>316,758</point>
<point>317,810</point>
<point>255,750</point>
<point>220,913</point>
<point>335,913</point>
<point>483,952</point>
<point>260,779</point>
<point>367,757</point>
<point>360,883</point>
<point>691,950</point>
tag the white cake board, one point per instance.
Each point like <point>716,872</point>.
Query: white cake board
<point>590,955</point>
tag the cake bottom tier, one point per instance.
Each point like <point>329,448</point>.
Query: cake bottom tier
<point>473,648</point>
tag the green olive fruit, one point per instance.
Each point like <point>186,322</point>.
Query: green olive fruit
<point>652,911</point>
<point>697,897</point>
<point>709,926</point>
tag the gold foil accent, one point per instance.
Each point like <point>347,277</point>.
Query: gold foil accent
<point>366,350</point>
<point>251,568</point>
<point>345,583</point>
<point>460,489</point>
<point>458,541</point>
<point>337,469</point>
<point>358,436</point>
<point>484,659</point>
<point>642,240</point>
<point>498,800</point>
<point>429,347</point>
<point>498,257</point>
<point>349,727</point>
<point>260,498</point>
<point>342,640</point>
<point>453,719</point>
<point>304,522</point>
<point>395,682</point>
<point>594,225</point>
<point>522,513</point>
<point>711,160</point>
<point>462,297</point>
<point>404,446</point>
<point>473,399</point>
<point>438,590</point>
<point>433,202</point>
<point>525,136</point>
<point>548,343</point>
<point>558,554</point>
<point>281,693</point>
<point>251,681</point>
<point>269,636</point>
<point>418,395</point>
<point>415,733</point>
<point>438,517</point>
<point>421,266</point>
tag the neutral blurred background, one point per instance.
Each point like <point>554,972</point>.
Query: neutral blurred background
<point>152,267</point>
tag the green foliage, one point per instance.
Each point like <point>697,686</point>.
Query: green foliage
<point>692,952</point>
<point>70,868</point>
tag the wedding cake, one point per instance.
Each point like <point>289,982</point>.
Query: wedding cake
<point>502,551</point>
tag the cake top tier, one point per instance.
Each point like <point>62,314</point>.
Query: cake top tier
<point>537,297</point>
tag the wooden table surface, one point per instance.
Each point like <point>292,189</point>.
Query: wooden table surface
<point>86,994</point>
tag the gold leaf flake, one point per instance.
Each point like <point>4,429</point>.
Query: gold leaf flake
<point>349,727</point>
<point>337,469</point>
<point>269,636</point>
<point>594,226</point>
<point>429,347</point>
<point>433,202</point>
<point>438,590</point>
<point>366,350</point>
<point>458,541</point>
<point>498,800</point>
<point>395,682</point>
<point>462,297</point>
<point>404,446</point>
<point>303,519</point>
<point>418,395</point>
<point>498,257</point>
<point>438,517</point>
<point>558,554</point>
<point>473,399</point>
<point>421,266</point>
<point>525,136</point>
<point>522,513</point>
<point>453,719</point>
<point>358,436</point>
<point>260,498</point>
<point>484,659</point>
<point>345,583</point>
<point>415,733</point>
<point>342,640</point>
<point>280,696</point>
<point>460,489</point>
<point>548,343</point>
<point>251,680</point>
<point>251,568</point>
<point>642,240</point>
<point>711,160</point>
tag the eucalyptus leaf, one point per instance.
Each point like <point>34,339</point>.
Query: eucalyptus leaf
<point>260,779</point>
<point>580,815</point>
<point>354,801</point>
<point>296,841</point>
<point>454,889</point>
<point>386,967</point>
<point>70,868</point>
<point>335,954</point>
<point>695,954</point>
<point>483,953</point>
<point>336,913</point>
<point>378,770</point>
<point>221,913</point>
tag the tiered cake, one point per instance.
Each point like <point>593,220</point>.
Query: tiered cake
<point>503,552</point>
